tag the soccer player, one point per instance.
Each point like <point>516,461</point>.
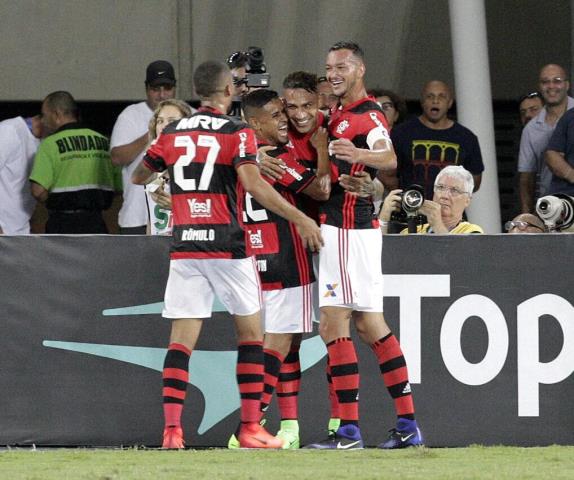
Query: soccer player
<point>211,162</point>
<point>285,267</point>
<point>350,277</point>
<point>308,135</point>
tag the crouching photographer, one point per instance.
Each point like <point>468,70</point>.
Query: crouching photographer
<point>452,195</point>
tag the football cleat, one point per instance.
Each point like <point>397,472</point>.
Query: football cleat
<point>233,442</point>
<point>253,435</point>
<point>173,438</point>
<point>347,437</point>
<point>406,434</point>
<point>289,433</point>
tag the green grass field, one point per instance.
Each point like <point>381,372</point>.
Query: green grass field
<point>474,462</point>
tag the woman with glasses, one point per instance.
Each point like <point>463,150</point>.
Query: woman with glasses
<point>453,188</point>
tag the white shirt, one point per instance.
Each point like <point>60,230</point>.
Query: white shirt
<point>17,149</point>
<point>131,124</point>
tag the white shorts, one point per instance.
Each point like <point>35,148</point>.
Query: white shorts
<point>350,269</point>
<point>193,284</point>
<point>289,310</point>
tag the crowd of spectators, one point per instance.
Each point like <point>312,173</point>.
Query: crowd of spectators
<point>424,145</point>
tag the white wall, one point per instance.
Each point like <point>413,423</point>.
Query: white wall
<point>98,49</point>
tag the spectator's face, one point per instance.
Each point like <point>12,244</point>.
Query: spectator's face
<point>391,112</point>
<point>327,99</point>
<point>553,84</point>
<point>159,93</point>
<point>436,101</point>
<point>168,114</point>
<point>301,107</point>
<point>452,197</point>
<point>525,223</point>
<point>239,81</point>
<point>529,108</point>
<point>273,123</point>
<point>344,71</point>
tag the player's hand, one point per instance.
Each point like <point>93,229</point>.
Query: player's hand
<point>310,234</point>
<point>162,198</point>
<point>269,165</point>
<point>360,184</point>
<point>344,149</point>
<point>320,139</point>
<point>391,204</point>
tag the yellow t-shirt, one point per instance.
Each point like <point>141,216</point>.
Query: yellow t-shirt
<point>462,227</point>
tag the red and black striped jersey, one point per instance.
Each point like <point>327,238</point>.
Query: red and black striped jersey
<point>282,260</point>
<point>306,154</point>
<point>202,154</point>
<point>363,122</point>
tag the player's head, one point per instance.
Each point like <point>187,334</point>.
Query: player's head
<point>213,83</point>
<point>263,110</point>
<point>436,100</point>
<point>345,68</point>
<point>301,100</point>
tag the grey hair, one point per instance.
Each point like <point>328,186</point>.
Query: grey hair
<point>460,173</point>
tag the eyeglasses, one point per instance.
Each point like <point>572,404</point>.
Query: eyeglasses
<point>521,225</point>
<point>387,106</point>
<point>455,192</point>
<point>530,95</point>
<point>556,81</point>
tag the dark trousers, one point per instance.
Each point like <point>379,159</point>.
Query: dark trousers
<point>77,222</point>
<point>133,230</point>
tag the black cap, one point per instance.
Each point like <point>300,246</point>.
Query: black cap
<point>159,72</point>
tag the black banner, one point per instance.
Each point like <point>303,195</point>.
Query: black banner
<point>486,324</point>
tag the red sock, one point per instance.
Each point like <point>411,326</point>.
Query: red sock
<point>395,375</point>
<point>289,385</point>
<point>250,374</point>
<point>272,360</point>
<point>345,376</point>
<point>175,378</point>
<point>333,401</point>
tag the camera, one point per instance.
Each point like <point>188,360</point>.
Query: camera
<point>256,69</point>
<point>556,211</point>
<point>412,199</point>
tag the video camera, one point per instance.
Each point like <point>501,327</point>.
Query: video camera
<point>556,211</point>
<point>255,67</point>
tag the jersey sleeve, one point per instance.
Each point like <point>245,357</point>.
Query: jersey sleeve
<point>296,176</point>
<point>154,157</point>
<point>376,128</point>
<point>43,169</point>
<point>246,147</point>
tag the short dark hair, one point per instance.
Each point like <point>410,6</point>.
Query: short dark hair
<point>398,101</point>
<point>305,80</point>
<point>354,47</point>
<point>63,102</point>
<point>207,77</point>
<point>256,100</point>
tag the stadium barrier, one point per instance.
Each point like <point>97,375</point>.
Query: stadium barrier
<point>486,324</point>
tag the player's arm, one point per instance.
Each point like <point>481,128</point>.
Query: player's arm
<point>320,142</point>
<point>268,197</point>
<point>125,154</point>
<point>558,165</point>
<point>381,156</point>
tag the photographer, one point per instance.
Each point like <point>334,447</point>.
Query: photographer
<point>452,194</point>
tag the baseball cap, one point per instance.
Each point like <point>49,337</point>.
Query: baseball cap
<point>159,72</point>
